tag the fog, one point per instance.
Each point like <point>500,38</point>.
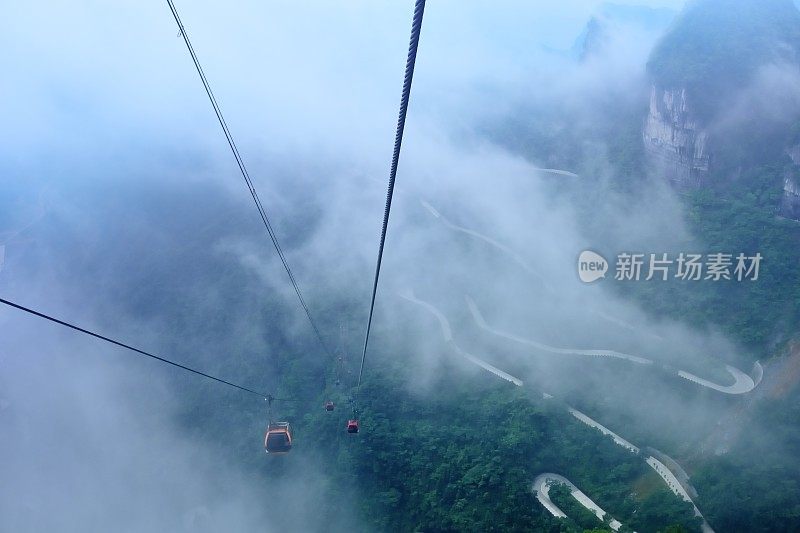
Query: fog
<point>122,209</point>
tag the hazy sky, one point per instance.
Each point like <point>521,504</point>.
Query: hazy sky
<point>119,70</point>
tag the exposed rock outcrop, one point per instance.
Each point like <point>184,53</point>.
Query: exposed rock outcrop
<point>676,144</point>
<point>707,75</point>
<point>790,203</point>
<point>794,154</point>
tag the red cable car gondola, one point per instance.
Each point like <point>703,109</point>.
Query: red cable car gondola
<point>352,426</point>
<point>278,439</point>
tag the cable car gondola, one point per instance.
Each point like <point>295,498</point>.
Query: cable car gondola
<point>278,439</point>
<point>352,426</point>
<point>329,406</point>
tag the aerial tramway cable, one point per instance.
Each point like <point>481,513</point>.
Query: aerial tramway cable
<point>246,175</point>
<point>409,74</point>
<point>269,397</point>
<point>416,27</point>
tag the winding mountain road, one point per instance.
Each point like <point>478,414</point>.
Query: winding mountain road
<point>659,467</point>
<point>742,382</point>
<point>447,332</point>
<point>522,263</point>
<point>541,487</point>
<point>619,441</point>
<point>481,322</point>
<point>557,172</point>
<point>502,247</point>
<point>664,472</point>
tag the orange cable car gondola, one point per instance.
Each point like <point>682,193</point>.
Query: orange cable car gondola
<point>278,439</point>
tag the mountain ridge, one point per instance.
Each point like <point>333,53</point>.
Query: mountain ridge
<point>708,63</point>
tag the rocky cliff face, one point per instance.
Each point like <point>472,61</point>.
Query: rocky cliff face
<point>678,149</point>
<point>790,203</point>
<point>676,143</point>
<point>709,58</point>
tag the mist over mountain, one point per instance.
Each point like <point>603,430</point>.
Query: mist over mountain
<point>718,44</point>
<point>614,20</point>
<point>724,96</point>
<point>671,405</point>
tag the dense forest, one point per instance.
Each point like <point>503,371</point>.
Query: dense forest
<point>717,45</point>
<point>463,460</point>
